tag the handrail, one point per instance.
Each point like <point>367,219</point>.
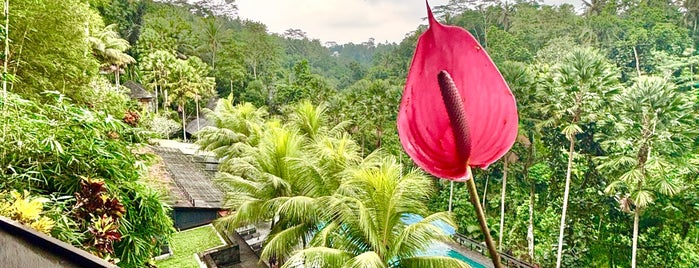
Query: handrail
<point>505,258</point>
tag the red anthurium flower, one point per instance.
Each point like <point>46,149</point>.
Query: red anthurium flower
<point>457,111</point>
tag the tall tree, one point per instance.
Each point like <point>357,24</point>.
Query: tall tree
<point>652,132</point>
<point>110,49</point>
<point>55,60</point>
<point>214,35</point>
<point>156,67</point>
<point>189,81</point>
<point>580,85</point>
<point>262,51</point>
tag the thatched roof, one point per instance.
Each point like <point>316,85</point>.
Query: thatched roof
<point>192,128</point>
<point>193,177</point>
<point>137,91</point>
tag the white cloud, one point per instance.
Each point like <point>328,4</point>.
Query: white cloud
<point>342,20</point>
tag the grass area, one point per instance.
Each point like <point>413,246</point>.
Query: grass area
<point>184,244</point>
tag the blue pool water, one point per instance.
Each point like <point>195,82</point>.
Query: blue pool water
<point>439,248</point>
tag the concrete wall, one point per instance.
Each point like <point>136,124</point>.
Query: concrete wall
<point>188,217</point>
<point>21,246</point>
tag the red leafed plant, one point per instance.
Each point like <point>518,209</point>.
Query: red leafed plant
<point>99,214</point>
<point>131,118</point>
<point>456,112</point>
<point>93,200</point>
<point>104,232</point>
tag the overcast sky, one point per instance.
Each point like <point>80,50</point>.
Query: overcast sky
<point>344,20</point>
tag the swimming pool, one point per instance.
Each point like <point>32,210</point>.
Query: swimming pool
<point>439,248</point>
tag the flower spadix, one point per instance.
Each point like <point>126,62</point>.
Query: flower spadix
<point>456,111</point>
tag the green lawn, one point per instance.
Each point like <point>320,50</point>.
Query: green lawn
<point>184,244</point>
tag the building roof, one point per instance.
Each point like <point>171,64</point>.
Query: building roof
<point>137,91</point>
<point>192,127</point>
<point>194,178</point>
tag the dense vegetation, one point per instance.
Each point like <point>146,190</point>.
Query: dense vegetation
<point>607,100</point>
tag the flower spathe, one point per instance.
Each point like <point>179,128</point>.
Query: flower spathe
<point>475,128</point>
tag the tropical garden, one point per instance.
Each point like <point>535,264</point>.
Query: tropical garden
<point>603,172</point>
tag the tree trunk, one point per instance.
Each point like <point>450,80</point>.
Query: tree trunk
<point>481,221</point>
<point>254,71</point>
<point>196,101</point>
<point>502,203</point>
<point>5,56</point>
<point>4,70</point>
<point>116,77</point>
<point>638,67</point>
<point>156,98</point>
<point>634,246</point>
<point>184,131</point>
<point>451,193</point>
<point>213,58</point>
<point>530,228</point>
<point>565,202</point>
<point>485,193</point>
<point>165,103</point>
<point>532,196</point>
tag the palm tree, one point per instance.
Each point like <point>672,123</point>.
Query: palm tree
<point>236,128</point>
<point>317,173</point>
<point>290,166</point>
<point>109,49</point>
<point>157,67</point>
<point>189,81</point>
<point>653,130</point>
<point>313,121</point>
<point>183,78</point>
<point>214,34</point>
<point>205,89</point>
<point>580,84</point>
<point>525,82</point>
<point>364,221</point>
<point>254,181</point>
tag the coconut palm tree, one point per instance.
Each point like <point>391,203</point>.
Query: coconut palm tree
<point>313,121</point>
<point>580,84</point>
<point>214,34</point>
<point>317,173</point>
<point>236,128</point>
<point>110,49</point>
<point>264,174</point>
<point>282,175</point>
<point>654,125</point>
<point>189,82</point>
<point>364,226</point>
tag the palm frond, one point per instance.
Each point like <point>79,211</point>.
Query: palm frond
<point>283,243</point>
<point>366,260</point>
<point>432,262</point>
<point>642,198</point>
<point>318,257</point>
<point>415,238</point>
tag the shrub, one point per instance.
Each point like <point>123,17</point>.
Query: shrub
<point>27,210</point>
<point>161,125</point>
<point>48,149</point>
